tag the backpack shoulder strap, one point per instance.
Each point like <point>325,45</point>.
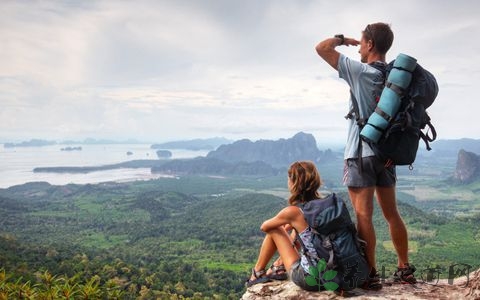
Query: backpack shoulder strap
<point>355,111</point>
<point>381,66</point>
<point>304,249</point>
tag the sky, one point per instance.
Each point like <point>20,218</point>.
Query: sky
<point>173,70</point>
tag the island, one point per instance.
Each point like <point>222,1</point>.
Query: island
<point>79,148</point>
<point>164,154</point>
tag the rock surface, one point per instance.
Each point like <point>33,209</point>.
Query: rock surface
<point>468,167</point>
<point>462,288</point>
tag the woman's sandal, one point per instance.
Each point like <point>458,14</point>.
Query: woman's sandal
<point>260,277</point>
<point>278,272</point>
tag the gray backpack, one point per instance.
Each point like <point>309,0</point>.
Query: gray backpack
<point>336,241</point>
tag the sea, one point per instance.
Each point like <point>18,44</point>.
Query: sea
<point>17,164</point>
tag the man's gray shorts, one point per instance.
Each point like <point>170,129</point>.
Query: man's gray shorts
<point>372,173</point>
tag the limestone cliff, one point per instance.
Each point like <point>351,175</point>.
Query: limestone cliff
<point>468,167</point>
<point>462,288</point>
<point>280,153</point>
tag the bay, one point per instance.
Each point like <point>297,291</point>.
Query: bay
<point>17,164</point>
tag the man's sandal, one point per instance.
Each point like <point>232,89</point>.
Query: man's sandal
<point>405,275</point>
<point>260,277</point>
<point>278,272</point>
<point>373,283</point>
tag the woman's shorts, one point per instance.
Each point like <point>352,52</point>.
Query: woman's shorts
<point>297,275</point>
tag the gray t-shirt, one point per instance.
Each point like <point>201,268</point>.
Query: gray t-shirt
<point>366,84</point>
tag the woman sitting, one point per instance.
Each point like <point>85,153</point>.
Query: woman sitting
<point>303,184</point>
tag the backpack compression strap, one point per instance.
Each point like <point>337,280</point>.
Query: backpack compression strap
<point>426,137</point>
<point>327,244</point>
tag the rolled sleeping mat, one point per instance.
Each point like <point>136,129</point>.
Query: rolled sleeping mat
<point>398,80</point>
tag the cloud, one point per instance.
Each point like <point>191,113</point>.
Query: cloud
<point>171,69</point>
<point>44,43</point>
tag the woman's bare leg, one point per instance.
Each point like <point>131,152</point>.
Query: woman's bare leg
<point>276,240</point>
<point>279,261</point>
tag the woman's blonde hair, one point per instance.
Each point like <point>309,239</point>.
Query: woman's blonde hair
<point>305,182</point>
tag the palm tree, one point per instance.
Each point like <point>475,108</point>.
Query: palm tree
<point>69,288</point>
<point>91,290</point>
<point>25,291</point>
<point>49,289</point>
<point>3,285</point>
<point>114,291</point>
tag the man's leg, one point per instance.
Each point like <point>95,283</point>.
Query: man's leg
<point>362,201</point>
<point>398,232</point>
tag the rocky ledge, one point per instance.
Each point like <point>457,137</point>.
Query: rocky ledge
<point>462,288</point>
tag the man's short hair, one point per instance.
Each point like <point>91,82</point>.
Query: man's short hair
<point>381,35</point>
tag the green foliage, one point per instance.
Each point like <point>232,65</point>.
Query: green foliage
<point>323,281</point>
<point>192,237</point>
<point>139,239</point>
<point>48,286</point>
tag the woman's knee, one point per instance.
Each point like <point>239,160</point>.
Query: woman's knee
<point>279,231</point>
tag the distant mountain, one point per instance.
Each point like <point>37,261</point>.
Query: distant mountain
<point>468,167</point>
<point>131,164</point>
<point>214,167</point>
<point>280,153</point>
<point>195,144</point>
<point>92,141</point>
<point>87,141</point>
<point>451,147</point>
<point>31,143</point>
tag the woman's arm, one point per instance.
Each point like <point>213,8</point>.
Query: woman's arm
<point>288,215</point>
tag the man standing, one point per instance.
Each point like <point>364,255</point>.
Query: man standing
<point>364,173</point>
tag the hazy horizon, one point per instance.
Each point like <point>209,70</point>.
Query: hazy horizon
<point>164,71</point>
<point>135,141</point>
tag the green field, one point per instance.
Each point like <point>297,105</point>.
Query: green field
<point>197,237</point>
